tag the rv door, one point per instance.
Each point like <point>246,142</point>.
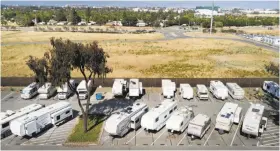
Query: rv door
<point>30,128</point>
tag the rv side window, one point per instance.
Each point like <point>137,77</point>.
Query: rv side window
<point>58,117</point>
<point>156,119</point>
<point>137,121</point>
<point>146,110</point>
<point>170,111</point>
<point>165,116</point>
<point>181,123</point>
<point>5,125</point>
<point>175,107</point>
<point>67,112</point>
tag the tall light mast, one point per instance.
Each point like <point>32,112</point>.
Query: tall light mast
<point>211,25</point>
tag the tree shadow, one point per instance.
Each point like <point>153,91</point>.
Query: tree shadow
<point>269,100</point>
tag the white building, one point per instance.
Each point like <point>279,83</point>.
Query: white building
<point>207,13</point>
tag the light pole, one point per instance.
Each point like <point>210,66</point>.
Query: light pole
<point>211,18</point>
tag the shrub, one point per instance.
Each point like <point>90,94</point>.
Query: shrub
<point>207,30</point>
<point>228,31</point>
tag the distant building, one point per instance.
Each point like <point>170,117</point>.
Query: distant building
<point>206,13</point>
<point>140,23</point>
<point>62,23</point>
<point>114,23</point>
<point>52,22</point>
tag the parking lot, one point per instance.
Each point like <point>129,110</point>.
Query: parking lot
<point>210,107</point>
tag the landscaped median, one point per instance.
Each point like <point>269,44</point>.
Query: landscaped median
<point>78,137</point>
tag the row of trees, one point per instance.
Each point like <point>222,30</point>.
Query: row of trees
<point>129,18</point>
<point>65,56</point>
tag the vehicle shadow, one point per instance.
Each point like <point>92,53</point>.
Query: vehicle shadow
<point>269,100</point>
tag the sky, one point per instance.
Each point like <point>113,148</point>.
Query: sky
<point>266,4</point>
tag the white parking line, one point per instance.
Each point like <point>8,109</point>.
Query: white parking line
<point>236,130</point>
<point>268,137</point>
<point>209,136</point>
<point>273,129</point>
<point>271,144</point>
<point>272,126</point>
<point>276,139</point>
<point>182,139</point>
<point>158,137</point>
<point>7,96</point>
<point>270,133</point>
<point>134,136</point>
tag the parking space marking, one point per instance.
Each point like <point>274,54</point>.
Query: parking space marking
<point>270,134</point>
<point>209,136</point>
<point>268,137</point>
<point>134,136</point>
<point>158,137</point>
<point>7,96</point>
<point>236,131</point>
<point>273,129</point>
<point>271,144</point>
<point>182,139</point>
<point>275,139</point>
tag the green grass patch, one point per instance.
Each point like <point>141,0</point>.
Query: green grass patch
<point>94,129</point>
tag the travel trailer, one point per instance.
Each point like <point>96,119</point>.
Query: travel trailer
<point>180,119</point>
<point>65,91</point>
<point>198,126</point>
<point>202,92</point>
<point>120,87</point>
<point>225,117</point>
<point>135,88</point>
<point>186,91</point>
<point>156,118</point>
<point>254,122</point>
<point>46,91</point>
<point>271,88</point>
<point>30,91</point>
<point>219,90</point>
<point>82,90</point>
<point>35,122</point>
<point>168,88</point>
<point>121,122</point>
<point>8,116</point>
<point>235,91</point>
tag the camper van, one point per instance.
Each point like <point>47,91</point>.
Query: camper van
<point>120,87</point>
<point>219,90</point>
<point>225,117</point>
<point>254,122</point>
<point>82,90</point>
<point>271,88</point>
<point>35,122</point>
<point>235,91</point>
<point>168,88</point>
<point>198,126</point>
<point>9,115</point>
<point>186,91</point>
<point>65,91</point>
<point>121,122</point>
<point>180,119</point>
<point>135,88</point>
<point>156,118</point>
<point>30,91</point>
<point>202,92</point>
<point>46,91</point>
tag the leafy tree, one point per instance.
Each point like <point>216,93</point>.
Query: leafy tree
<point>87,14</point>
<point>272,68</point>
<point>218,24</point>
<point>73,17</point>
<point>40,68</point>
<point>60,15</point>
<point>24,20</point>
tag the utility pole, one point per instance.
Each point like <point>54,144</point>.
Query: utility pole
<point>212,18</point>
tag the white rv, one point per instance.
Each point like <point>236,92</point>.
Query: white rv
<point>168,88</point>
<point>46,91</point>
<point>156,118</point>
<point>30,91</point>
<point>121,122</point>
<point>186,91</point>
<point>65,91</point>
<point>119,88</point>
<point>235,91</point>
<point>180,119</point>
<point>272,88</point>
<point>254,123</point>
<point>135,88</point>
<point>219,90</point>
<point>225,117</point>
<point>199,125</point>
<point>202,92</point>
<point>82,90</point>
<point>8,116</point>
<point>35,122</point>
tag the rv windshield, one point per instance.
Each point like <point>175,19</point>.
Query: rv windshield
<point>25,92</point>
<point>202,93</point>
<point>82,92</point>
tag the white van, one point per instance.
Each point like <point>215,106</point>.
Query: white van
<point>82,90</point>
<point>219,90</point>
<point>235,91</point>
<point>186,91</point>
<point>202,92</point>
<point>30,91</point>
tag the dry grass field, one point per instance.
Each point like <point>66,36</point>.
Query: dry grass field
<point>218,34</point>
<point>173,58</point>
<point>258,30</point>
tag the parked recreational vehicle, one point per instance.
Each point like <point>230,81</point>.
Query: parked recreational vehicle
<point>199,125</point>
<point>225,117</point>
<point>119,88</point>
<point>219,90</point>
<point>46,91</point>
<point>65,91</point>
<point>35,122</point>
<point>272,88</point>
<point>235,91</point>
<point>186,91</point>
<point>254,123</point>
<point>8,116</point>
<point>135,88</point>
<point>82,90</point>
<point>168,88</point>
<point>30,91</point>
<point>180,119</point>
<point>202,92</point>
<point>156,118</point>
<point>121,122</point>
